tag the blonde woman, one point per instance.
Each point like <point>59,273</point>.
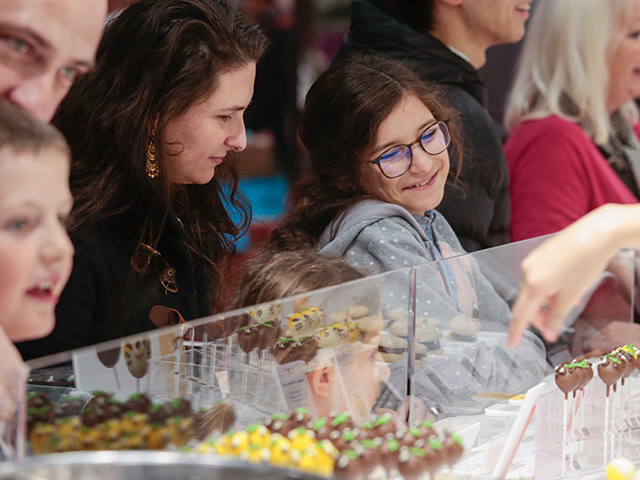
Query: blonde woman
<point>573,147</point>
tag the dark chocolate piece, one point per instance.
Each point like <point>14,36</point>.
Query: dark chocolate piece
<point>610,371</point>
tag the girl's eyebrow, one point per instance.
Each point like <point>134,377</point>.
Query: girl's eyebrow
<point>394,143</point>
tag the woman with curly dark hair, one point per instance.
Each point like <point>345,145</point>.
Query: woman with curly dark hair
<point>155,196</point>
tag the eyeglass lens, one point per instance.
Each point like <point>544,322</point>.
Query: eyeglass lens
<point>397,160</point>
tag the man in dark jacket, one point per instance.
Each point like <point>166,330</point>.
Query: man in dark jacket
<point>445,41</point>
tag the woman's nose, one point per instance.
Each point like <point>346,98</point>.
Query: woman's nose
<point>237,141</point>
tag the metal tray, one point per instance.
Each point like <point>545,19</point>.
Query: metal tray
<point>142,465</point>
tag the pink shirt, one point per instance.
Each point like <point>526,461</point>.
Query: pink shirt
<point>557,175</point>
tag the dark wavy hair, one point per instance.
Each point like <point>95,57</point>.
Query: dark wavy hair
<point>342,115</point>
<point>157,59</point>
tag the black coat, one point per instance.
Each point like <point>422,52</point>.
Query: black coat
<point>480,216</point>
<point>91,307</point>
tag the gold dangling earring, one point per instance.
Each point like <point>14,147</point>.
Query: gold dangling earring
<point>152,167</point>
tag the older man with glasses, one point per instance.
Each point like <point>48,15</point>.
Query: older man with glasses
<point>44,46</point>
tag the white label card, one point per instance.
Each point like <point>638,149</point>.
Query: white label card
<point>293,381</point>
<point>351,382</point>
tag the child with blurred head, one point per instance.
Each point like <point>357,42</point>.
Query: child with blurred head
<point>271,276</point>
<point>35,252</point>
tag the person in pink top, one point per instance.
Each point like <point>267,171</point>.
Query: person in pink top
<point>572,146</point>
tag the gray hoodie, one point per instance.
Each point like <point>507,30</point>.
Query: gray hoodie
<point>383,237</point>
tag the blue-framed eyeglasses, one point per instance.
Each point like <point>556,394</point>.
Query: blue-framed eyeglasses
<point>396,161</point>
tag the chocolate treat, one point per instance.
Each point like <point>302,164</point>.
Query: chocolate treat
<point>232,324</point>
<point>368,455</point>
<point>112,409</point>
<point>426,429</point>
<point>348,465</point>
<point>367,432</point>
<point>411,463</point>
<point>453,448</point>
<point>334,335</point>
<point>287,350</point>
<point>280,423</point>
<point>343,439</point>
<point>138,402</point>
<point>109,357</point>
<point>321,428</point>
<point>384,425</point>
<point>159,413</point>
<point>628,362</point>
<point>566,379</point>
<point>69,406</point>
<point>214,330</point>
<point>389,454</point>
<point>610,371</point>
<point>38,415</point>
<point>281,350</point>
<point>583,379</point>
<point>341,421</point>
<point>136,355</point>
<point>589,369</point>
<point>98,400</point>
<point>90,418</point>
<point>408,437</point>
<point>266,313</point>
<point>248,338</point>
<point>305,322</point>
<point>300,417</point>
<point>268,332</point>
<point>308,347</point>
<point>37,400</point>
<point>181,407</point>
<point>436,456</point>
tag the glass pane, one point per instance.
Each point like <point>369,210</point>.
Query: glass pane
<point>325,351</point>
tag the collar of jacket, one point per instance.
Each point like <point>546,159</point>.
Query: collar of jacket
<point>377,32</point>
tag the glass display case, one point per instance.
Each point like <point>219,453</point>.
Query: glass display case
<point>391,375</point>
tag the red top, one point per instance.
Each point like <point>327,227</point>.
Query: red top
<point>557,175</point>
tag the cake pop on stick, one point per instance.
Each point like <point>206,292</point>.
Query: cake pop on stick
<point>136,355</point>
<point>567,380</point>
<point>436,457</point>
<point>109,358</point>
<point>452,445</point>
<point>632,353</point>
<point>412,462</point>
<point>610,371</point>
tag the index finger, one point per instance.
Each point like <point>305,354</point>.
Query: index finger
<point>523,312</point>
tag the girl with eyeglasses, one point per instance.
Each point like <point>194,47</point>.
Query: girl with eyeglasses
<point>380,141</point>
<point>156,210</point>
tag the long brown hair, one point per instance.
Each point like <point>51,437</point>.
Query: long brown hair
<point>342,115</point>
<point>156,60</point>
